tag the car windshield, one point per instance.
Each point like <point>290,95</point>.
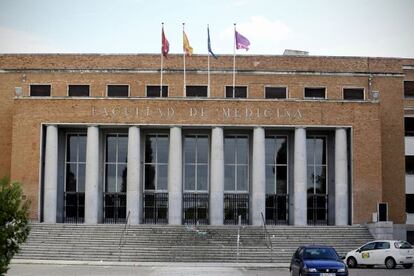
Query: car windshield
<point>403,245</point>
<point>320,254</point>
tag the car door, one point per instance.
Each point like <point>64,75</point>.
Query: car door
<point>382,250</point>
<point>296,262</point>
<point>365,254</point>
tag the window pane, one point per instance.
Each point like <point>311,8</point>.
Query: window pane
<point>229,150</point>
<point>82,147</point>
<point>409,89</point>
<point>320,151</point>
<point>110,177</point>
<point>118,90</point>
<point>310,179</point>
<point>40,90</point>
<point>270,150</point>
<point>202,149</point>
<point>71,175</point>
<point>229,92</point>
<point>310,150</point>
<point>242,178</point>
<point>149,177</point>
<point>72,148</point>
<point>189,149</point>
<point>229,178</point>
<point>409,164</point>
<point>281,179</point>
<point>162,174</point>
<point>202,177</point>
<point>409,203</point>
<point>122,148</point>
<point>189,180</point>
<point>281,149</point>
<point>318,93</point>
<point>242,150</point>
<point>275,93</point>
<point>320,179</point>
<point>196,91</point>
<point>270,179</point>
<point>409,126</point>
<point>153,91</point>
<point>353,93</point>
<point>78,91</point>
<point>239,92</point>
<point>81,178</point>
<point>122,178</point>
<point>162,149</point>
<point>150,149</point>
<point>111,148</point>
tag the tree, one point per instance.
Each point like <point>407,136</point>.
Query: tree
<point>14,227</point>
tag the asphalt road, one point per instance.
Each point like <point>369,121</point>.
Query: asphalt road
<point>102,270</point>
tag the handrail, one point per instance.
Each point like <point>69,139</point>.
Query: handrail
<point>123,234</point>
<point>267,237</point>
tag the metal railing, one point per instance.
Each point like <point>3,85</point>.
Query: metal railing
<point>195,209</point>
<point>155,208</point>
<point>236,205</point>
<point>122,239</point>
<point>277,209</point>
<point>114,207</point>
<point>317,209</point>
<point>267,238</point>
<point>74,207</point>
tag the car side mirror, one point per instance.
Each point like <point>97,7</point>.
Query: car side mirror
<point>359,251</point>
<point>343,257</point>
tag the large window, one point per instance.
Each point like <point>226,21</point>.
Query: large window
<point>409,89</point>
<point>75,177</point>
<point>196,91</point>
<point>118,91</point>
<point>78,90</point>
<point>275,92</point>
<point>115,178</point>
<point>237,92</point>
<point>409,164</point>
<point>156,178</point>
<point>276,179</point>
<point>315,92</point>
<point>409,126</point>
<point>353,94</point>
<point>409,203</point>
<point>40,90</point>
<point>154,91</point>
<point>316,148</point>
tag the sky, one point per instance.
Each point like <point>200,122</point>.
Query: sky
<point>322,27</point>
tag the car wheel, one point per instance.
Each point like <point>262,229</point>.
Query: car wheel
<point>351,262</point>
<point>390,263</point>
<point>407,266</point>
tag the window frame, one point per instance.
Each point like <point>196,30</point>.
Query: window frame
<point>275,136</point>
<point>314,165</point>
<point>160,97</point>
<point>118,84</point>
<point>196,85</point>
<point>408,97</point>
<point>236,191</point>
<point>353,87</point>
<point>276,86</point>
<point>77,162</point>
<point>144,163</point>
<point>315,98</point>
<point>116,163</point>
<point>225,90</point>
<point>78,84</point>
<point>36,84</point>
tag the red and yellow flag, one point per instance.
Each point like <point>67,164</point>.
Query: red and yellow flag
<point>188,50</point>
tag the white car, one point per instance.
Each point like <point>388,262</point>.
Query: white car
<point>382,252</point>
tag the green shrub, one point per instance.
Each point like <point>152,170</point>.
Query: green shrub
<point>14,227</point>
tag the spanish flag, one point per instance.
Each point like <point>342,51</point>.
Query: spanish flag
<point>188,50</point>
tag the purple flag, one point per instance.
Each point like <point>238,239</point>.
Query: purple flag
<point>241,41</point>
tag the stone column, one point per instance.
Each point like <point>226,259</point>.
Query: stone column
<point>300,170</point>
<point>92,176</point>
<point>134,190</point>
<point>341,177</point>
<point>50,177</point>
<point>216,206</point>
<point>175,177</point>
<point>258,176</point>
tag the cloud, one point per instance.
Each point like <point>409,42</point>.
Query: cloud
<point>265,35</point>
<point>14,41</point>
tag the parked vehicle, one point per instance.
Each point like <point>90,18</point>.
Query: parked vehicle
<point>382,252</point>
<point>317,260</point>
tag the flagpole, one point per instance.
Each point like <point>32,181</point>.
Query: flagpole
<point>208,63</point>
<point>234,62</point>
<point>184,63</point>
<point>162,60</point>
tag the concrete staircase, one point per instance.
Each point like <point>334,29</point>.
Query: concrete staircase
<point>164,243</point>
